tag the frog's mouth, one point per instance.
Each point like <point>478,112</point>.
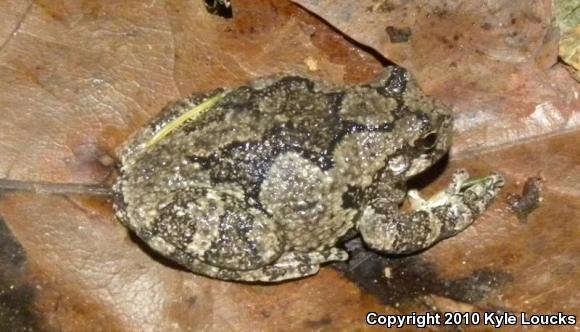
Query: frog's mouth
<point>426,160</point>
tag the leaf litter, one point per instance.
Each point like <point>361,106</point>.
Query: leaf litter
<point>78,78</point>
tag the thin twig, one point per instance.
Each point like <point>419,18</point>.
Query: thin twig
<point>55,188</point>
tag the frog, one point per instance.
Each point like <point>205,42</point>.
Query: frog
<point>267,182</point>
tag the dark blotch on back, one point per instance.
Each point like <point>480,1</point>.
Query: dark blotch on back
<point>352,198</point>
<point>181,229</point>
<point>311,129</point>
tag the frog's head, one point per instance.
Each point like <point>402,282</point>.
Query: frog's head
<point>421,126</point>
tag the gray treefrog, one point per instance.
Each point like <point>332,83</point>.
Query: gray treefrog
<point>265,183</point>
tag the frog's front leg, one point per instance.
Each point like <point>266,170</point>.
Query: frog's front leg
<point>384,227</point>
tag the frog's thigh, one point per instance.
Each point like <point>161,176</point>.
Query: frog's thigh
<point>302,199</point>
<point>290,265</point>
<point>228,234</point>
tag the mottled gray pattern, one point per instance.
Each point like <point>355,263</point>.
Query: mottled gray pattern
<point>264,185</point>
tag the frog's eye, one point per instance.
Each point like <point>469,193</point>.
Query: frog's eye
<point>428,141</point>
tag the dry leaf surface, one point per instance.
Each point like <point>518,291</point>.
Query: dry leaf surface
<point>78,77</point>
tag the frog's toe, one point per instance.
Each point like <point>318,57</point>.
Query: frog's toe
<point>337,255</point>
<point>479,195</point>
<point>458,179</point>
<point>497,182</point>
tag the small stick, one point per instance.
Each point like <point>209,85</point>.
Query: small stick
<point>55,188</point>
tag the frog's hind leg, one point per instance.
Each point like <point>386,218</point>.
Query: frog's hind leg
<point>217,227</point>
<point>385,228</point>
<point>212,231</point>
<point>290,265</point>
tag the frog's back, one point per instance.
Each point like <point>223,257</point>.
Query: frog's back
<point>291,113</point>
<point>236,141</point>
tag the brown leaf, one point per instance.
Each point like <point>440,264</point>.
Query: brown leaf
<point>77,78</point>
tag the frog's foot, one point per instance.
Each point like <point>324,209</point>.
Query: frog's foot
<point>464,200</point>
<point>384,227</point>
<point>290,265</point>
